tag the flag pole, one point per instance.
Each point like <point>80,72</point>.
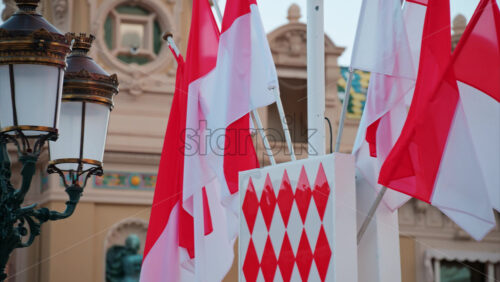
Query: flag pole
<point>344,109</point>
<point>260,128</point>
<point>371,213</point>
<point>316,77</point>
<point>281,112</point>
<point>169,38</point>
<point>254,113</point>
<point>217,9</point>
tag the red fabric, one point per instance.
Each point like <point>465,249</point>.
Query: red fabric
<point>477,56</point>
<point>201,58</point>
<point>371,137</point>
<point>413,163</point>
<point>235,9</point>
<point>239,151</point>
<point>203,42</point>
<point>421,2</point>
<point>168,190</point>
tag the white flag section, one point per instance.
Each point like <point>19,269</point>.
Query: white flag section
<point>385,47</point>
<point>380,36</point>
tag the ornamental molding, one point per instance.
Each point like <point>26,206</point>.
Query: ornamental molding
<point>289,46</point>
<point>86,75</point>
<point>136,79</point>
<point>419,219</point>
<point>61,14</point>
<point>9,9</point>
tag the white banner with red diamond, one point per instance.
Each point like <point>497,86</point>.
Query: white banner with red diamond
<point>298,221</point>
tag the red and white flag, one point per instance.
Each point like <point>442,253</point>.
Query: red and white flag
<point>448,152</point>
<point>194,219</point>
<point>384,48</point>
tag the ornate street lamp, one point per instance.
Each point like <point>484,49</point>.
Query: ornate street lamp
<point>86,104</point>
<point>35,76</point>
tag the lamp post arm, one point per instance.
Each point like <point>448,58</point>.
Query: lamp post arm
<point>74,193</point>
<point>18,223</point>
<point>29,168</point>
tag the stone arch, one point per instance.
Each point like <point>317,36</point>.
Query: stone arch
<point>119,232</point>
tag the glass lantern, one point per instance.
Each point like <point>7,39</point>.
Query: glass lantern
<point>87,100</point>
<point>32,63</point>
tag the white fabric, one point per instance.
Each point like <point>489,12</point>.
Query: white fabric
<point>214,253</point>
<point>381,43</point>
<point>238,84</point>
<point>460,190</point>
<point>483,116</point>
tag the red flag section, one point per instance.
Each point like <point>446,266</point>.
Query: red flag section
<point>477,57</point>
<point>168,192</point>
<point>412,165</point>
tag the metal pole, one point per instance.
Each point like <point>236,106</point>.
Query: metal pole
<point>371,213</point>
<point>344,109</point>
<point>284,123</point>
<point>167,36</point>
<point>217,10</point>
<point>254,113</point>
<point>316,77</point>
<point>260,128</point>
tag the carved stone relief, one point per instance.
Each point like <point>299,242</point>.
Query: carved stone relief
<point>10,8</point>
<point>61,9</point>
<point>137,79</point>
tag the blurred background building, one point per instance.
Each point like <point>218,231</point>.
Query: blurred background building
<point>117,204</point>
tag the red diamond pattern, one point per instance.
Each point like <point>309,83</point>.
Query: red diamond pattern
<point>251,264</point>
<point>321,191</point>
<point>268,202</point>
<point>269,263</point>
<point>287,259</point>
<point>303,195</point>
<point>322,254</point>
<point>250,206</point>
<point>304,256</point>
<point>285,198</point>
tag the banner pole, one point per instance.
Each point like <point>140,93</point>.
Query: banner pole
<point>260,128</point>
<point>371,213</point>
<point>344,109</point>
<point>316,78</point>
<point>169,38</point>
<point>284,124</point>
<point>217,10</point>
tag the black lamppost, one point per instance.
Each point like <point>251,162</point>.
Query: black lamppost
<point>47,96</point>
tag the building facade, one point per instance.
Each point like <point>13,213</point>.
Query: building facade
<point>128,42</point>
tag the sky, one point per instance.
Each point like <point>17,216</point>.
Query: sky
<point>341,18</point>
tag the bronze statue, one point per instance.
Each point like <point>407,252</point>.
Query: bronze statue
<point>123,263</point>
